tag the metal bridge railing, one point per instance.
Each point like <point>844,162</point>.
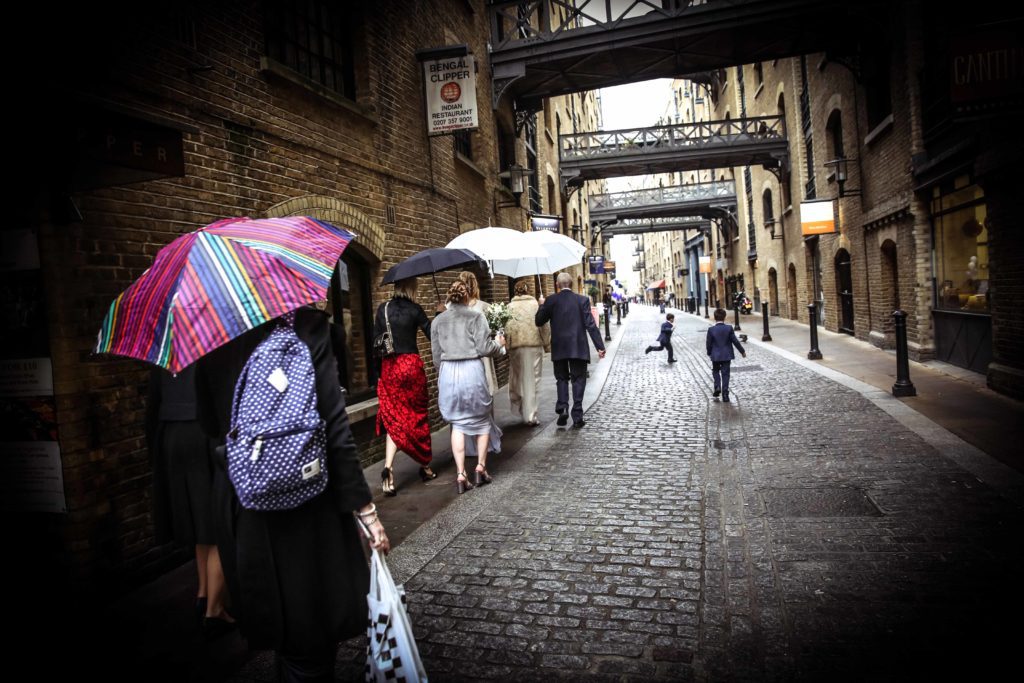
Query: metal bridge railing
<point>660,196</point>
<point>703,135</point>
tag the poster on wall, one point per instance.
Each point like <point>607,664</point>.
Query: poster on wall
<point>31,475</point>
<point>451,94</point>
<point>817,218</point>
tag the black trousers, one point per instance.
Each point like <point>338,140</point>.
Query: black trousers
<point>663,347</point>
<point>720,373</point>
<point>575,371</point>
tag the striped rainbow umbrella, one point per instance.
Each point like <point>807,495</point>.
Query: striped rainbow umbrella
<point>210,286</point>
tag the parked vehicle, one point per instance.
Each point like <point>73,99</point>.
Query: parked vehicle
<point>744,302</point>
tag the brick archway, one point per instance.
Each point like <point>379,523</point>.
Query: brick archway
<point>369,233</point>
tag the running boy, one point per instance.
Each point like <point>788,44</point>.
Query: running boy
<point>665,338</point>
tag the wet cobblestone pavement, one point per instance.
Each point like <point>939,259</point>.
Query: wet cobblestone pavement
<point>799,533</point>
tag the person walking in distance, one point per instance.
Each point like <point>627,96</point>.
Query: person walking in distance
<point>665,338</point>
<point>721,339</point>
<point>571,322</point>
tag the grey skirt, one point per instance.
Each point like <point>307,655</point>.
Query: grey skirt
<point>466,403</point>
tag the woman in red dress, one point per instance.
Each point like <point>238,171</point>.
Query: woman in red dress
<point>402,387</point>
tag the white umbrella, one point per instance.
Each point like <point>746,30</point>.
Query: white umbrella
<point>492,244</point>
<point>559,252</point>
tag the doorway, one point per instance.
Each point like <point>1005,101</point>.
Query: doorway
<point>844,288</point>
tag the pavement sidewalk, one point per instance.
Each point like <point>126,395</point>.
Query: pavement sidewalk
<point>158,635</point>
<point>954,398</point>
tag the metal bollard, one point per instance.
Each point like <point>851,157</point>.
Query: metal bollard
<point>607,323</point>
<point>618,314</point>
<point>764,317</point>
<point>707,297</point>
<point>903,385</point>
<point>736,309</point>
<point>812,316</point>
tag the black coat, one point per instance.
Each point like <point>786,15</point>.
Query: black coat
<point>571,321</point>
<point>298,578</point>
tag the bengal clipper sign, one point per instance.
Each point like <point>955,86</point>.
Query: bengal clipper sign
<point>451,94</point>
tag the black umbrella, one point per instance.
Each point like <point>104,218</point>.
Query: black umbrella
<point>431,261</point>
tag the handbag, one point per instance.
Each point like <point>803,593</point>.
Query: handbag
<point>383,344</point>
<point>391,654</point>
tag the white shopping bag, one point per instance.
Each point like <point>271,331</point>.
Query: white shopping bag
<point>391,654</point>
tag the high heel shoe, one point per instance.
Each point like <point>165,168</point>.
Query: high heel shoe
<point>387,482</point>
<point>462,483</point>
<point>482,477</point>
<point>426,474</point>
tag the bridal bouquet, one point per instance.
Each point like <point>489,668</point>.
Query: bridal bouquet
<point>498,316</point>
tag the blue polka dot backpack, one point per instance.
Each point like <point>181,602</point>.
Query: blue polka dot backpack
<point>277,446</point>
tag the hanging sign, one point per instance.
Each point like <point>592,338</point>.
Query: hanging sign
<point>451,94</point>
<point>609,268</point>
<point>817,218</point>
<point>550,223</point>
<point>596,265</point>
<point>705,264</point>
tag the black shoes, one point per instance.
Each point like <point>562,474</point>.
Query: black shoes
<point>579,425</point>
<point>647,350</point>
<point>717,393</point>
<point>672,360</point>
<point>725,399</point>
<point>200,610</point>
<point>214,628</point>
<point>387,482</point>
<point>426,474</point>
<point>563,419</point>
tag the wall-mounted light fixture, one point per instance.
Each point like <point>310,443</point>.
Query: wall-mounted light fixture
<point>514,175</point>
<point>770,225</point>
<point>840,165</point>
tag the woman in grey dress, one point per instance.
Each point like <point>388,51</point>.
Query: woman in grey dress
<point>460,339</point>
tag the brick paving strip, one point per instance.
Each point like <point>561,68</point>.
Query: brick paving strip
<point>800,533</point>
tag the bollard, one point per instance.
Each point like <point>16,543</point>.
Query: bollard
<point>764,317</point>
<point>607,323</point>
<point>736,309</point>
<point>903,385</point>
<point>618,314</point>
<point>707,297</point>
<point>812,316</point>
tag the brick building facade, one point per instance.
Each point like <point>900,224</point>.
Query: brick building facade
<point>257,111</point>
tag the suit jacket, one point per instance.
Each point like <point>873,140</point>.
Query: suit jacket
<point>721,339</point>
<point>571,321</point>
<point>666,333</point>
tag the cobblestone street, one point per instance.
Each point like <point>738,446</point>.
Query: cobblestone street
<point>798,533</point>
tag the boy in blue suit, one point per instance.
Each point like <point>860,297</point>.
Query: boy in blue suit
<point>721,339</point>
<point>665,338</point>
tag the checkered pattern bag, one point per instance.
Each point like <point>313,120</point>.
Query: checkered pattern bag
<point>391,654</point>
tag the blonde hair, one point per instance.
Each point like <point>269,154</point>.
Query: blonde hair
<point>522,287</point>
<point>407,288</point>
<point>472,286</point>
<point>458,293</point>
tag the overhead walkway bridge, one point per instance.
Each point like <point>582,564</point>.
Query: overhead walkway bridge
<point>755,141</point>
<point>545,48</point>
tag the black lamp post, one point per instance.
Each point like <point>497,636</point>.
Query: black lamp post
<point>840,165</point>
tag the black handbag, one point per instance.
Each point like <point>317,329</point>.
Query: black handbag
<point>383,344</point>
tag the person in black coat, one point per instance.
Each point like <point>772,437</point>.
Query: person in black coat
<point>571,322</point>
<point>298,578</point>
<point>665,338</point>
<point>182,459</point>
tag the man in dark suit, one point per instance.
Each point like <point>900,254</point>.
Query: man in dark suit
<point>571,321</point>
<point>720,342</point>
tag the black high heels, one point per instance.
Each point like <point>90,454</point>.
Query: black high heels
<point>387,482</point>
<point>426,474</point>
<point>462,483</point>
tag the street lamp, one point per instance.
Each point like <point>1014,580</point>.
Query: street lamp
<point>840,171</point>
<point>514,175</point>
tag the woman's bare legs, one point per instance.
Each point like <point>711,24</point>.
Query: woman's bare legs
<point>216,586</point>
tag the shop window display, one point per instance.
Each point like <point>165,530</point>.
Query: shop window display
<point>961,249</point>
